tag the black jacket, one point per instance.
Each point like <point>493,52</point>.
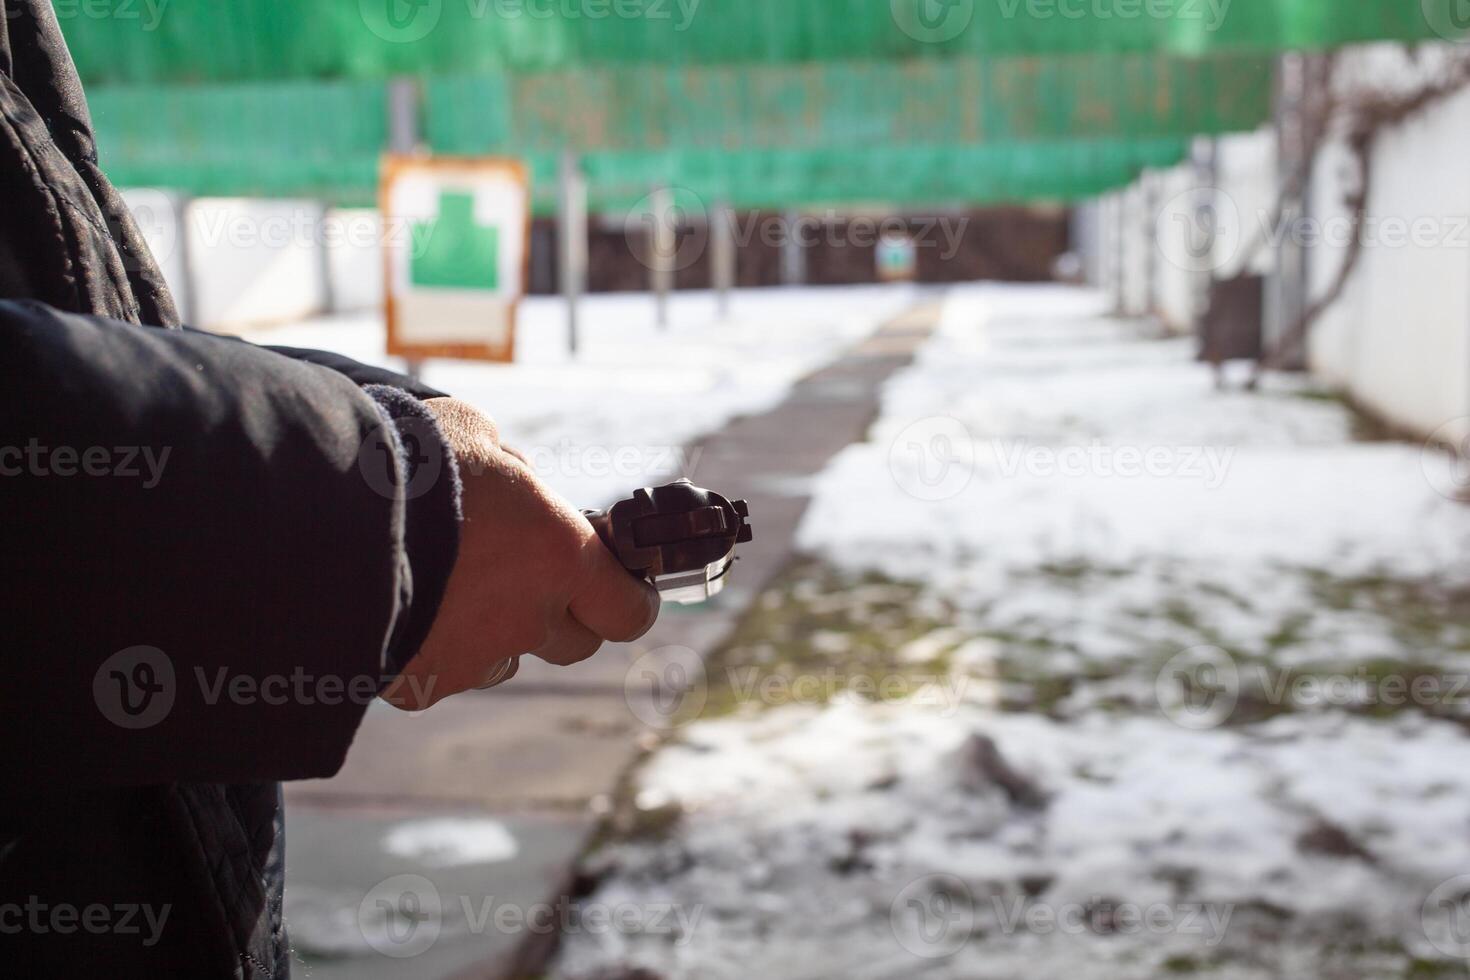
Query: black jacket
<point>209,565</point>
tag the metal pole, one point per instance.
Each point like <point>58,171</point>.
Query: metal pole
<point>1203,155</point>
<point>722,256</point>
<point>403,138</point>
<point>661,264</point>
<point>1289,275</point>
<point>1119,229</point>
<point>793,257</point>
<point>571,240</point>
<point>403,115</point>
<point>1149,185</point>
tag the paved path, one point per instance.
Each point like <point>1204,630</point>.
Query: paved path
<point>538,756</point>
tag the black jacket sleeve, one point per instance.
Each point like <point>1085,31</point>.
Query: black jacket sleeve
<point>205,561</point>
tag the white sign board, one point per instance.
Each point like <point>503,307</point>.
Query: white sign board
<point>456,243</point>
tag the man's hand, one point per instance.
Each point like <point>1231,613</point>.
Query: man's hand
<point>532,576</point>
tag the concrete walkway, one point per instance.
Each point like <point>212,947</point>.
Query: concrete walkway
<point>490,798</point>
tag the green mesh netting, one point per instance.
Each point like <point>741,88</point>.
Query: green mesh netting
<point>193,40</point>
<point>271,139</point>
<point>940,132</point>
<point>848,104</point>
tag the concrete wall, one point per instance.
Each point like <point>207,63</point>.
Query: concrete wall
<point>1399,339</point>
<point>1245,174</point>
<point>1148,243</point>
<point>354,259</point>
<point>1179,272</point>
<point>239,262</point>
<point>255,261</point>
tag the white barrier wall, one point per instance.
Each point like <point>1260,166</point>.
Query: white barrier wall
<point>255,261</point>
<point>1179,278</point>
<point>1136,252</point>
<point>1156,267</point>
<point>354,259</point>
<point>240,262</point>
<point>1245,174</point>
<point>1399,339</point>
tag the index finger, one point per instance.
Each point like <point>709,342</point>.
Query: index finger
<point>613,603</point>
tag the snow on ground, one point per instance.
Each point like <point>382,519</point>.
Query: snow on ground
<point>806,834</point>
<point>619,414</point>
<point>1024,442</point>
<point>1129,582</point>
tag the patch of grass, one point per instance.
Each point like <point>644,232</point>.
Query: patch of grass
<point>815,633</point>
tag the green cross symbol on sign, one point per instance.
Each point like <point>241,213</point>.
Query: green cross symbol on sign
<point>452,251</point>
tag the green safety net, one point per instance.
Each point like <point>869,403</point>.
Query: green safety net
<point>197,40</point>
<point>934,133</point>
<point>915,176</point>
<point>271,139</point>
<point>848,104</point>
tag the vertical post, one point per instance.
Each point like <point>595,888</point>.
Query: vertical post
<point>1149,186</point>
<point>183,228</point>
<point>1203,155</point>
<point>403,115</point>
<point>1119,229</point>
<point>1288,278</point>
<point>793,257</point>
<point>722,255</point>
<point>661,266</point>
<point>404,137</point>
<point>571,240</point>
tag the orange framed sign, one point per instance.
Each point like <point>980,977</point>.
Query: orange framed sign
<point>456,246</point>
